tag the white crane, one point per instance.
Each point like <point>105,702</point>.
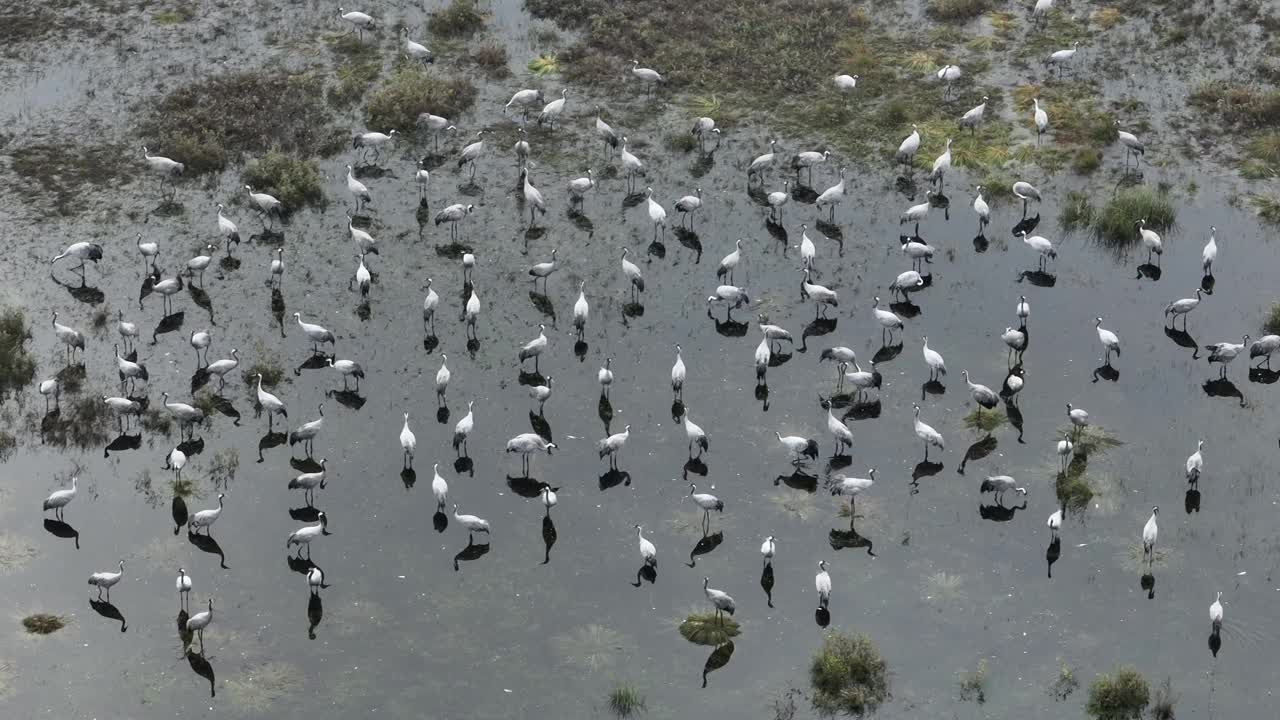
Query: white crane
<point>1215,613</point>
<point>523,99</point>
<point>51,388</point>
<point>1023,310</point>
<point>359,191</point>
<point>186,415</point>
<point>59,499</point>
<point>1055,523</point>
<point>1040,118</point>
<point>605,376</point>
<point>543,270</point>
<point>820,295</point>
<point>630,163</point>
<point>808,250</point>
<point>315,579</point>
<point>226,228</point>
<point>309,481</point>
<point>532,196</point>
<point>469,155</point>
<point>148,250</point>
<point>205,518</point>
<point>534,347</point>
<point>70,337</point>
<point>130,371</point>
<point>128,331</point>
<point>863,380</point>
<point>416,50</point>
<point>647,76</point>
<point>1016,340</point>
<point>1181,308</point>
<point>373,140</point>
<point>1150,240</point>
<point>775,334</point>
<point>463,429</point>
<point>422,176</point>
<point>948,75</point>
<point>767,550</point>
<point>845,83</point>
<point>220,368</point>
<point>916,213</point>
<point>549,499</point>
<point>303,536</point>
<point>363,240</point>
<point>777,199</point>
<point>581,311</point>
<point>657,214</point>
<point>317,334</point>
<point>974,116</point>
<point>541,393</point>
<point>732,295</point>
<point>1041,245</point>
<point>277,268</point>
<point>439,487</point>
<point>105,581</point>
<point>1132,146</point>
<point>200,341</point>
<point>707,502</point>
<point>981,394</point>
<point>307,432</point>
<point>678,375</point>
<point>888,321</point>
<point>840,432</point>
<point>198,264</point>
<point>436,124</point>
<point>1210,252</point>
<point>918,252</point>
<point>907,282</point>
<point>822,583</point>
<point>472,311</point>
<point>718,598</point>
<point>631,272</point>
<point>408,442</point>
<point>167,288</point>
<point>1041,10</point>
<point>981,209</point>
<point>429,305</point>
<point>927,434</point>
<point>1110,341</point>
<point>552,110</point>
<point>363,278</point>
<point>1263,347</point>
<point>1195,464</point>
<point>183,585</point>
<point>473,524</point>
<point>806,160</point>
<point>799,446</point>
<point>1079,418</point>
<point>527,444</point>
<point>1000,484</point>
<point>270,404</point>
<point>832,196</point>
<point>265,203</point>
<point>907,149</point>
<point>578,188</point>
<point>1150,532</point>
<point>762,162</point>
<point>358,21</point>
<point>613,445</point>
<point>932,358</point>
<point>703,128</point>
<point>166,168</point>
<point>852,487</point>
<point>1224,352</point>
<point>1064,448</point>
<point>695,434</point>
<point>648,552</point>
<point>1025,192</point>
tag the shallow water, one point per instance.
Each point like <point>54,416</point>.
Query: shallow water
<point>416,621</point>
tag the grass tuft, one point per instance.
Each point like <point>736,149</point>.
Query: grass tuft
<point>294,181</point>
<point>625,701</point>
<point>1117,224</point>
<point>545,64</point>
<point>43,623</point>
<point>956,10</point>
<point>410,91</point>
<point>1243,105</point>
<point>459,19</point>
<point>1267,207</point>
<point>848,675</point>
<point>680,141</point>
<point>704,628</point>
<point>1086,161</point>
<point>1077,212</point>
<point>155,420</point>
<point>1272,324</point>
<point>493,59</point>
<point>1107,18</point>
<point>1265,148</point>
<point>984,420</point>
<point>1121,695</point>
<point>174,16</point>
<point>17,364</point>
<point>973,684</point>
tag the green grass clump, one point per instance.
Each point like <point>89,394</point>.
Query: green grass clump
<point>269,366</point>
<point>1090,441</point>
<point>89,422</point>
<point>410,91</point>
<point>8,444</point>
<point>704,628</point>
<point>43,623</point>
<point>460,19</point>
<point>1267,207</point>
<point>1077,212</point>
<point>1072,487</point>
<point>848,675</point>
<point>1121,695</point>
<point>956,9</point>
<point>294,181</point>
<point>1272,324</point>
<point>973,684</point>
<point>1086,160</point>
<point>626,701</point>
<point>17,365</point>
<point>210,123</point>
<point>354,78</point>
<point>545,64</point>
<point>984,420</point>
<point>492,58</point>
<point>1265,147</point>
<point>1107,18</point>
<point>1117,224</point>
<point>1064,683</point>
<point>1244,105</point>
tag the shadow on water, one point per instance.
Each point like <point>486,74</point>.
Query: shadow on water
<point>923,469</point>
<point>109,611</point>
<point>729,327</point>
<point>1183,339</point>
<point>1191,501</point>
<point>121,443</point>
<point>705,544</point>
<point>1039,278</point>
<point>200,666</point>
<point>998,512</point>
<point>863,410</point>
<point>905,309</point>
<point>694,466</point>
<point>613,478</point>
<point>1052,553</point>
<point>798,480</point>
<point>689,239</point>
<point>440,521</point>
<point>1149,271</point>
<point>977,451</point>
<point>305,465</point>
<point>82,293</point>
<point>209,545</point>
<point>315,613</point>
<point>1215,641</point>
<point>299,564</point>
<point>270,440</point>
<point>409,477</point>
<point>350,399</point>
<point>718,659</point>
<point>168,323</point>
<point>1222,387</point>
<point>464,466</point>
<point>850,539</point>
<point>1105,371</point>
<point>538,423</point>
<point>1263,376</point>
<point>647,573</point>
<point>817,328</point>
<point>1148,582</point>
<point>549,536</point>
<point>192,447</point>
<point>527,487</point>
<point>60,529</point>
<point>471,552</point>
<point>178,510</point>
<point>886,353</point>
<point>766,582</point>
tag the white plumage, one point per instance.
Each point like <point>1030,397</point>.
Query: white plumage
<point>439,487</point>
<point>105,580</point>
<point>59,499</point>
<point>822,583</point>
<point>648,552</point>
<point>205,518</point>
<point>927,434</point>
<point>933,358</point>
<point>1195,463</point>
<point>472,523</point>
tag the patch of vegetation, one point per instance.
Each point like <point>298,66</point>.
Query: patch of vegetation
<point>545,64</point>
<point>223,466</point>
<point>1117,223</point>
<point>269,366</point>
<point>174,16</point>
<point>1065,683</point>
<point>43,623</point>
<point>184,488</point>
<point>207,402</point>
<point>1164,700</point>
<point>293,180</point>
<point>961,10</point>
<point>1076,117</point>
<point>17,365</point>
<point>459,20</point>
<point>973,684</point>
<point>492,58</point>
<point>1267,207</point>
<point>848,675</point>
<point>592,647</point>
<point>1244,105</point>
<point>411,91</point>
<point>1265,148</point>
<point>1072,487</point>
<point>943,586</point>
<point>626,701</point>
<point>1107,18</point>
<point>258,689</point>
<point>8,445</point>
<point>155,420</point>
<point>1121,695</point>
<point>1086,161</point>
<point>680,141</point>
<point>15,553</point>
<point>354,78</point>
<point>704,628</point>
<point>1077,212</point>
<point>1272,324</point>
<point>984,420</point>
<point>62,169</point>
<point>213,122</point>
<point>1090,441</point>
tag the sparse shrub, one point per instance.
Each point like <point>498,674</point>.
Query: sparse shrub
<point>1065,683</point>
<point>848,675</point>
<point>1272,323</point>
<point>492,57</point>
<point>1163,702</point>
<point>1121,695</point>
<point>680,141</point>
<point>1077,212</point>
<point>43,623</point>
<point>17,365</point>
<point>983,420</point>
<point>1086,160</point>
<point>1265,147</point>
<point>956,9</point>
<point>459,19</point>
<point>354,78</point>
<point>626,701</point>
<point>293,180</point>
<point>62,167</point>
<point>1117,224</point>
<point>411,91</point>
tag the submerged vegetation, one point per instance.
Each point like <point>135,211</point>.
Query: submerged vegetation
<point>545,64</point>
<point>1077,212</point>
<point>17,365</point>
<point>1267,207</point>
<point>1117,223</point>
<point>410,91</point>
<point>973,683</point>
<point>983,420</point>
<point>293,180</point>
<point>1064,683</point>
<point>1164,700</point>
<point>43,623</point>
<point>705,628</point>
<point>1272,324</point>
<point>625,701</point>
<point>61,168</point>
<point>848,675</point>
<point>1121,695</point>
<point>591,647</point>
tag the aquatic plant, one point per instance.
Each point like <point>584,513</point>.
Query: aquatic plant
<point>680,141</point>
<point>1245,105</point>
<point>943,586</point>
<point>956,9</point>
<point>15,553</point>
<point>591,647</point>
<point>1163,701</point>
<point>354,78</point>
<point>983,420</point>
<point>223,466</point>
<point>1121,695</point>
<point>1077,212</point>
<point>8,444</point>
<point>705,628</point>
<point>1272,324</point>
<point>293,180</point>
<point>545,64</point>
<point>258,689</point>
<point>17,365</point>
<point>973,684</point>
<point>1086,160</point>
<point>185,488</point>
<point>62,168</point>
<point>269,366</point>
<point>459,19</point>
<point>493,58</point>
<point>43,623</point>
<point>626,701</point>
<point>1267,207</point>
<point>1090,441</point>
<point>848,675</point>
<point>409,91</point>
<point>155,420</point>
<point>88,423</point>
<point>209,123</point>
<point>1117,223</point>
<point>1064,683</point>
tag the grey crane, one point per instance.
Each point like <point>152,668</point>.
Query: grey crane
<point>718,598</point>
<point>527,444</point>
<point>106,580</point>
<point>1224,352</point>
<point>983,395</point>
<point>454,215</point>
<point>306,432</point>
<point>1000,484</point>
<point>1181,308</point>
<point>186,415</point>
<point>317,334</point>
<point>1026,192</point>
<point>613,445</point>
